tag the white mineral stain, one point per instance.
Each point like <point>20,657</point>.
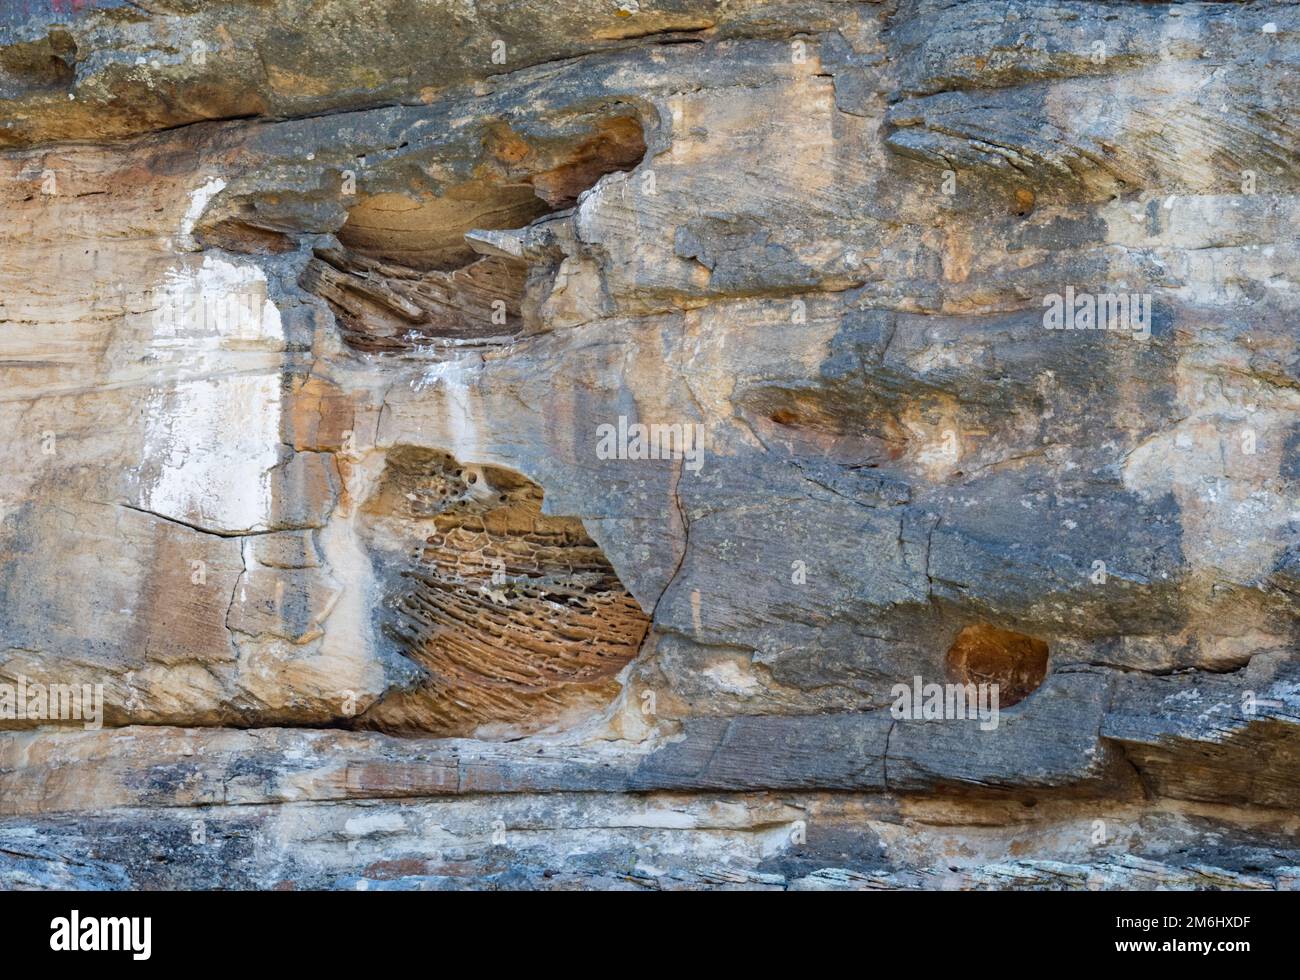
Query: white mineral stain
<point>215,440</point>
<point>380,823</point>
<point>199,201</point>
<point>214,432</point>
<point>451,379</point>
<point>218,305</point>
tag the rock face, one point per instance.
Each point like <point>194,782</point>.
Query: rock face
<point>769,444</point>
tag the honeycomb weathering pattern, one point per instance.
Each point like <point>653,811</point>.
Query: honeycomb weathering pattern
<point>517,617</point>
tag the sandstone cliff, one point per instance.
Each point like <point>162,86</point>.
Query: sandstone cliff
<point>526,445</point>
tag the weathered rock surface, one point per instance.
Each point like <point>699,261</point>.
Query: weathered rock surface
<point>327,336</point>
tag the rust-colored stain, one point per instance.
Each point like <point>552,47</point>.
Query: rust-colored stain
<point>618,145</point>
<point>984,654</point>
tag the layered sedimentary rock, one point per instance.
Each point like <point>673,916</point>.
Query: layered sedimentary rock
<point>564,445</point>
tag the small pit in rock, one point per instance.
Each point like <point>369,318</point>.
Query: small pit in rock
<point>984,654</point>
